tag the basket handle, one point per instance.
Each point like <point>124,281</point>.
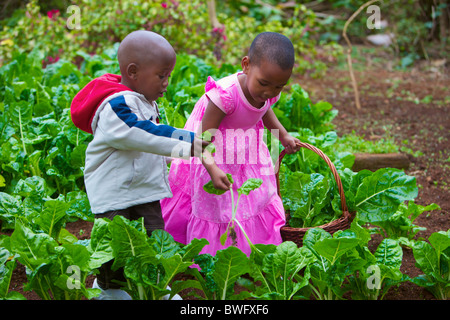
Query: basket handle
<point>327,160</point>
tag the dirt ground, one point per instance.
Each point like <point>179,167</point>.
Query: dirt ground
<point>412,107</point>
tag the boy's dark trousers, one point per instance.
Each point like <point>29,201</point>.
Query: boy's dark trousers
<point>151,212</point>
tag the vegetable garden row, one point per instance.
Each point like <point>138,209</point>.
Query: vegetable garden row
<point>42,189</point>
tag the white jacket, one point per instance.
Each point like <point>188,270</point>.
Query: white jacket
<point>125,161</point>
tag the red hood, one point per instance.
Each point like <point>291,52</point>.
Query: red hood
<point>85,103</point>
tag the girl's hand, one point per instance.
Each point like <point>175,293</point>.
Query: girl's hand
<point>290,144</point>
<point>219,179</point>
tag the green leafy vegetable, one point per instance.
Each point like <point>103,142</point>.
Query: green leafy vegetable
<point>380,194</point>
<point>248,186</point>
<point>434,260</point>
<point>209,187</point>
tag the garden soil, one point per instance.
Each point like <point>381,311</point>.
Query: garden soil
<point>412,107</point>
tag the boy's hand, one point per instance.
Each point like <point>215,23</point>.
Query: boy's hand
<point>290,144</point>
<point>198,146</point>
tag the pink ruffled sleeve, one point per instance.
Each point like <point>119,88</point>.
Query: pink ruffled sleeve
<point>219,96</point>
<point>274,99</point>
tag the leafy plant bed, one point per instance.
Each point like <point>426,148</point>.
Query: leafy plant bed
<point>405,291</point>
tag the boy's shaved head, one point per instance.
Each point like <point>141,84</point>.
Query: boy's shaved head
<point>143,47</point>
<point>146,60</point>
<point>272,47</point>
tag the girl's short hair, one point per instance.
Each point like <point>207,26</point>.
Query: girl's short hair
<point>273,47</point>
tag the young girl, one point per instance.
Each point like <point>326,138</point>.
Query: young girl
<point>238,106</point>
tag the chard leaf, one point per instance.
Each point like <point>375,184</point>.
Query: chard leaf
<point>249,185</point>
<point>440,241</point>
<point>75,255</point>
<point>164,243</point>
<point>127,241</point>
<point>333,248</point>
<point>414,210</point>
<point>306,196</point>
<point>192,250</point>
<point>172,266</point>
<point>206,136</point>
<point>426,258</point>
<point>34,249</point>
<point>6,272</point>
<point>32,185</point>
<point>284,264</point>
<point>10,207</point>
<point>380,194</point>
<point>79,205</point>
<point>52,217</point>
<point>209,187</point>
<point>230,265</point>
<point>313,236</point>
<point>389,253</point>
<point>99,246</point>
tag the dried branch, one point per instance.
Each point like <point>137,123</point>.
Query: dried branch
<point>349,51</point>
<point>212,14</point>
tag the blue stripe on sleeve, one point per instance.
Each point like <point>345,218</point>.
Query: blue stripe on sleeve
<point>124,113</point>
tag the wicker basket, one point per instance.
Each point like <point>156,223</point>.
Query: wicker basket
<point>296,234</point>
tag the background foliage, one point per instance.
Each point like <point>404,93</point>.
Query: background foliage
<point>420,27</point>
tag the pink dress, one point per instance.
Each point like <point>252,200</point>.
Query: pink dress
<point>241,151</point>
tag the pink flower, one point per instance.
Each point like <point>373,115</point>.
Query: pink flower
<point>164,5</point>
<point>52,14</point>
<point>51,59</point>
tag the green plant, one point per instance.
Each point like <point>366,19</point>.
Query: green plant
<point>400,225</point>
<point>150,263</point>
<point>433,259</point>
<point>345,264</point>
<point>217,275</point>
<point>30,203</point>
<point>327,277</point>
<point>307,196</point>
<point>37,136</point>
<point>248,185</point>
<point>54,272</point>
<point>296,111</point>
<point>379,194</point>
<point>8,263</point>
<point>312,199</point>
<point>308,161</point>
<point>282,271</point>
<point>358,144</point>
<point>373,274</point>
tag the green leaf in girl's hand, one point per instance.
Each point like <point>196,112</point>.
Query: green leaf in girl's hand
<point>249,185</point>
<point>209,187</point>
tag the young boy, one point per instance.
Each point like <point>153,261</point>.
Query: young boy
<point>125,170</point>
